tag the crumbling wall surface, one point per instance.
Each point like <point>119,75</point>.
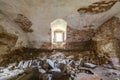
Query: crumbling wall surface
<point>79,39</point>
<point>7,42</point>
<point>7,38</point>
<point>107,39</point>
<point>74,35</point>
<point>78,19</point>
<point>35,17</point>
<point>22,16</point>
<point>40,13</point>
<point>24,23</point>
<point>11,27</point>
<point>11,36</point>
<point>98,7</point>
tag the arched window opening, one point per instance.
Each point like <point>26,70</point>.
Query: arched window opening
<point>58,32</point>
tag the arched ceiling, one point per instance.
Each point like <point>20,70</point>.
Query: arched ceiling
<point>42,12</point>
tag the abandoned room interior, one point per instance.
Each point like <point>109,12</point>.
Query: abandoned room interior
<point>59,40</point>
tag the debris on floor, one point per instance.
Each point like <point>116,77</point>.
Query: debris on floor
<point>57,67</point>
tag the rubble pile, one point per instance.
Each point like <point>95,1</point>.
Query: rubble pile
<point>54,67</point>
<point>93,57</point>
<point>23,53</point>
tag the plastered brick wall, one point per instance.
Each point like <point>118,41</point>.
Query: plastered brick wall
<point>78,39</point>
<point>74,35</point>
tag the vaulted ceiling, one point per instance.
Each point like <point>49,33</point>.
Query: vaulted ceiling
<point>42,12</point>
